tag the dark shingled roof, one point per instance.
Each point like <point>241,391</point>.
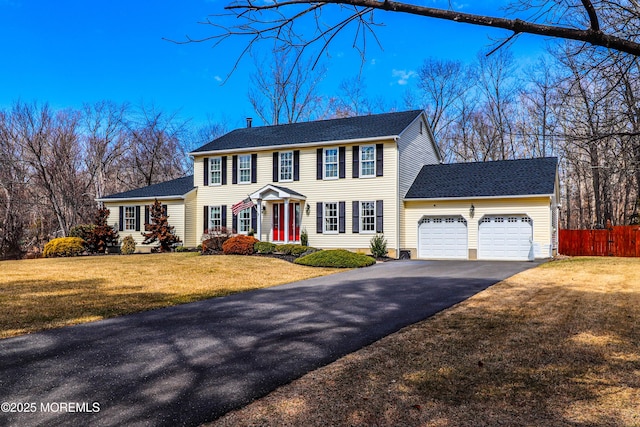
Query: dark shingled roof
<point>175,187</point>
<point>378,125</point>
<point>485,179</point>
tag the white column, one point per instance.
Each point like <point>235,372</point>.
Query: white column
<point>259,219</point>
<point>286,220</point>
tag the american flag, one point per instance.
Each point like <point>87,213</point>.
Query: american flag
<point>242,205</point>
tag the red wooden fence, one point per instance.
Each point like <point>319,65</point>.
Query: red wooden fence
<point>621,241</point>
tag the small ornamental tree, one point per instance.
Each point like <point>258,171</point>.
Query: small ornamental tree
<point>102,235</point>
<point>159,229</point>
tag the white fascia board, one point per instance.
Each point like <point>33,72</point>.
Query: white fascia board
<point>133,199</point>
<point>293,146</point>
<point>523,196</point>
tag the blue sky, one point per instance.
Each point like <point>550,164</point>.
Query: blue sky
<point>69,52</point>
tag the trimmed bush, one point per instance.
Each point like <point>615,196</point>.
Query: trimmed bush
<point>64,247</point>
<point>378,246</point>
<point>264,247</point>
<point>182,249</point>
<point>239,245</point>
<point>338,258</point>
<point>83,231</point>
<point>128,245</point>
<point>292,249</point>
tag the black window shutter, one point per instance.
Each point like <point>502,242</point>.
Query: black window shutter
<point>341,219</point>
<point>164,210</point>
<point>205,222</point>
<point>138,218</point>
<point>254,168</point>
<point>379,159</point>
<point>342,169</point>
<point>254,220</point>
<point>121,227</point>
<point>356,161</point>
<point>234,169</point>
<point>379,216</point>
<point>296,165</point>
<point>356,216</point>
<point>223,216</point>
<point>319,217</point>
<point>224,170</point>
<point>276,166</point>
<point>146,215</point>
<point>205,162</point>
<point>234,223</point>
<point>319,163</point>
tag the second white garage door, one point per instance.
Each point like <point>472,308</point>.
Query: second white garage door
<point>443,237</point>
<point>505,237</point>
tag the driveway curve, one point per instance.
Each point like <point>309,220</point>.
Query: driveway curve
<point>189,364</point>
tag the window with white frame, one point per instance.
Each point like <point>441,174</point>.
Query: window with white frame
<point>130,218</point>
<point>368,217</point>
<point>330,163</point>
<point>244,169</point>
<point>331,217</point>
<point>215,171</point>
<point>286,166</point>
<point>244,221</point>
<point>368,160</point>
<point>215,217</point>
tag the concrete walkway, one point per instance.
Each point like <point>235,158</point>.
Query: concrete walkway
<point>189,364</point>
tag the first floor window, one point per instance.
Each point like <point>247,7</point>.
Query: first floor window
<point>130,218</point>
<point>368,160</point>
<point>368,217</point>
<point>215,217</point>
<point>244,221</point>
<point>215,171</point>
<point>331,217</point>
<point>244,169</point>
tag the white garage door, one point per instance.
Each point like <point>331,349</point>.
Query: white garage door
<point>442,237</point>
<point>507,237</point>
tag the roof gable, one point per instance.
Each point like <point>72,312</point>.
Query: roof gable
<point>351,128</point>
<point>525,177</point>
<point>175,187</point>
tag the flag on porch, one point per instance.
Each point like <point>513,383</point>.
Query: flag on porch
<point>242,205</point>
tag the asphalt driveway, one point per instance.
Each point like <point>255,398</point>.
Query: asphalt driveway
<point>189,364</point>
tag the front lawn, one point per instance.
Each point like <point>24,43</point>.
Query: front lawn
<point>54,292</point>
<point>557,345</point>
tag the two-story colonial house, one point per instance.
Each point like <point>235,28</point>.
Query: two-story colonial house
<point>344,180</point>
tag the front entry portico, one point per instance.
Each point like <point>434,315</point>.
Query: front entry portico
<point>285,206</point>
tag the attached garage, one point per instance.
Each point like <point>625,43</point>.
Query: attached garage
<point>505,237</point>
<point>443,237</point>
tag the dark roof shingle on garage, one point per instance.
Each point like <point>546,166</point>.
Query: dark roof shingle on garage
<point>175,187</point>
<point>486,179</point>
<point>351,128</point>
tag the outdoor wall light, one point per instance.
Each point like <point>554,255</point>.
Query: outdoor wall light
<point>264,208</point>
<point>307,209</point>
<point>472,209</point>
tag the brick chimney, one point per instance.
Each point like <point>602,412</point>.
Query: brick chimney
<point>249,121</point>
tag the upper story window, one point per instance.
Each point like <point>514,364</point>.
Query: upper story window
<point>368,217</point>
<point>367,160</point>
<point>130,218</point>
<point>286,166</point>
<point>330,163</point>
<point>215,171</point>
<point>331,217</point>
<point>244,169</point>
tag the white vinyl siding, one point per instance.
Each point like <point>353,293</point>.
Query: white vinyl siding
<point>330,163</point>
<point>367,161</point>
<point>215,171</point>
<point>286,166</point>
<point>244,169</point>
<point>368,217</point>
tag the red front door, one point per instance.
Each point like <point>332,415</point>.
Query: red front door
<point>278,222</point>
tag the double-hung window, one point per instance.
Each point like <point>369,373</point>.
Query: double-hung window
<point>331,217</point>
<point>367,160</point>
<point>331,163</point>
<point>215,217</point>
<point>368,217</point>
<point>244,169</point>
<point>286,166</point>
<point>130,218</point>
<point>244,221</point>
<point>215,171</point>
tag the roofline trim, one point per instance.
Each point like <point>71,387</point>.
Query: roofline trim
<point>298,145</point>
<point>170,197</point>
<point>522,196</point>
